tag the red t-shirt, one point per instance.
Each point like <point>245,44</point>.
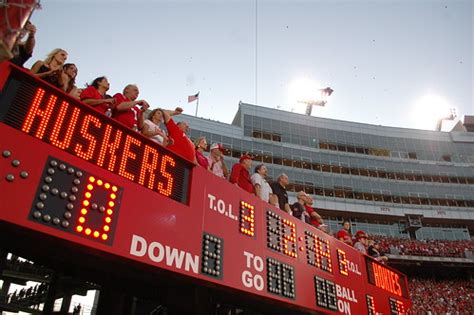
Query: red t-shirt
<point>181,144</point>
<point>127,117</point>
<point>241,176</point>
<point>202,160</point>
<point>345,236</point>
<point>312,220</point>
<point>92,93</point>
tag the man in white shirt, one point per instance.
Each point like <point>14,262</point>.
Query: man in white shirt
<point>262,188</point>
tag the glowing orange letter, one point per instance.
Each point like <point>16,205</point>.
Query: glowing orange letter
<point>126,155</point>
<point>149,164</point>
<point>59,124</point>
<point>92,141</point>
<point>169,188</point>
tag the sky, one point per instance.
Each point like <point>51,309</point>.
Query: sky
<point>390,62</point>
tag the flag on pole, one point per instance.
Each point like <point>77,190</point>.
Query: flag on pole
<point>193,98</point>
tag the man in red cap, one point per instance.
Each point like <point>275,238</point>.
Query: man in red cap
<point>240,174</point>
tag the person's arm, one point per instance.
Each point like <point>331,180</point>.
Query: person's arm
<point>316,217</point>
<point>37,65</point>
<point>288,208</point>
<point>95,102</point>
<point>30,41</point>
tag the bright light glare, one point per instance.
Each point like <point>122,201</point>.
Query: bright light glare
<point>303,90</point>
<point>428,110</point>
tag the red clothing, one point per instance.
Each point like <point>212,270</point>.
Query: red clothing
<point>241,176</point>
<point>346,236</point>
<point>202,160</point>
<point>92,93</point>
<point>127,117</point>
<point>312,220</point>
<point>181,144</point>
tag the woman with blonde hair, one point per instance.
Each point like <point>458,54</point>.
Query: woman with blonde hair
<point>152,129</point>
<point>50,69</point>
<point>201,145</point>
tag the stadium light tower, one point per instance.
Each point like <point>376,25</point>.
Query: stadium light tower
<point>451,116</point>
<point>321,101</point>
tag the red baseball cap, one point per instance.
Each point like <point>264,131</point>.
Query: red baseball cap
<point>245,157</point>
<point>360,234</point>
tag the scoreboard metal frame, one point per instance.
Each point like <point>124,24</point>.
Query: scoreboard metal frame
<point>72,174</point>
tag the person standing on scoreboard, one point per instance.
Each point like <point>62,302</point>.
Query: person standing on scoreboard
<point>344,234</point>
<point>240,174</point>
<point>216,161</point>
<point>262,187</point>
<point>94,95</point>
<point>314,217</point>
<point>179,141</point>
<point>298,209</point>
<point>128,110</point>
<point>279,189</point>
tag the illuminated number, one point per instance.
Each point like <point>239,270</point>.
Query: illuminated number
<point>289,238</point>
<point>169,187</point>
<point>325,293</point>
<point>280,278</point>
<point>212,253</point>
<point>370,305</point>
<point>247,219</point>
<point>318,251</point>
<point>342,262</point>
<point>396,307</point>
<point>87,204</point>
<point>67,195</point>
<point>281,234</point>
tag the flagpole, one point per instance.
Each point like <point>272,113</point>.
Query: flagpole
<point>197,105</point>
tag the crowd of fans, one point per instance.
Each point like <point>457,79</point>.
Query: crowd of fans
<point>438,248</point>
<point>442,297</point>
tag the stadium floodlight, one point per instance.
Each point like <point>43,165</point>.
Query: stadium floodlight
<point>321,101</point>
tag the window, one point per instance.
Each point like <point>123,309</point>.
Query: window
<point>446,157</point>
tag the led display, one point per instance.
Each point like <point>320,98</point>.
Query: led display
<point>75,201</point>
<point>74,127</point>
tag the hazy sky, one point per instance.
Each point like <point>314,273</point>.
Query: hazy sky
<point>381,57</point>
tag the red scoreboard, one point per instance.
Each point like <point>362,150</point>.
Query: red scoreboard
<point>71,173</point>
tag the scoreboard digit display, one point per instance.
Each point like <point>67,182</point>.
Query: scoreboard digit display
<point>74,175</point>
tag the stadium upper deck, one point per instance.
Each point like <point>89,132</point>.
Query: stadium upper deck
<point>356,169</point>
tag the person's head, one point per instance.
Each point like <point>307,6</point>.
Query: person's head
<point>246,161</point>
<point>301,196</point>
<point>283,180</point>
<point>131,92</point>
<point>216,149</point>
<point>346,225</point>
<point>200,143</point>
<point>261,169</point>
<point>70,69</point>
<point>156,116</point>
<point>361,237</point>
<point>309,200</point>
<point>58,55</point>
<point>184,126</point>
<point>101,83</point>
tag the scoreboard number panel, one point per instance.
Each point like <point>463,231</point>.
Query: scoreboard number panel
<point>72,200</point>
